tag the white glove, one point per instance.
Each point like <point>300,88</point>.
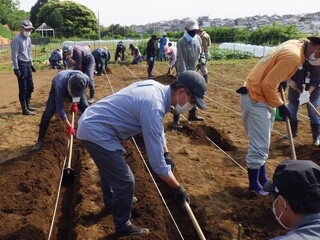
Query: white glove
<point>304,97</point>
<point>91,100</point>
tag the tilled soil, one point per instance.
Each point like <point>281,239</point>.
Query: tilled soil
<point>209,157</point>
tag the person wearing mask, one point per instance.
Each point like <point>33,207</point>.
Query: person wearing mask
<point>80,58</point>
<point>295,192</point>
<point>101,58</point>
<point>260,97</point>
<point>171,53</point>
<point>120,50</point>
<point>206,43</point>
<point>135,53</point>
<point>305,83</point>
<point>138,108</point>
<point>151,54</point>
<point>67,84</point>
<point>21,55</point>
<point>163,42</point>
<point>190,57</point>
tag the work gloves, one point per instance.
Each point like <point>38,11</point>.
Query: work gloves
<point>74,107</point>
<point>282,85</point>
<point>33,69</point>
<point>169,160</point>
<point>199,65</point>
<point>181,196</point>
<point>17,73</point>
<point>284,111</point>
<point>304,97</point>
<point>71,131</point>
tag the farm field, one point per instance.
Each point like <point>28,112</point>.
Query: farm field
<point>209,158</point>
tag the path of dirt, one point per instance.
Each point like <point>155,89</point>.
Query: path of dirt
<point>214,180</point>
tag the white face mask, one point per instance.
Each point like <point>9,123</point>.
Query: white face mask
<point>185,108</point>
<point>312,57</point>
<point>26,34</point>
<point>274,212</point>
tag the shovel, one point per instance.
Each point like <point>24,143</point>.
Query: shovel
<point>194,221</point>
<point>292,150</point>
<point>68,173</point>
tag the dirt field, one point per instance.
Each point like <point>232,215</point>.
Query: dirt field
<point>210,160</point>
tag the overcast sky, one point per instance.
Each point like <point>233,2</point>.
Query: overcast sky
<point>128,12</point>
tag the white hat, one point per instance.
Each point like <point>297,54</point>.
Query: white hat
<point>192,24</point>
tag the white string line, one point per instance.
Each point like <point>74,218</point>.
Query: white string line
<point>144,162</point>
<point>232,90</point>
<point>58,194</point>
<point>238,113</point>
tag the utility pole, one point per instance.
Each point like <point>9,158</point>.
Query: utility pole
<point>99,26</point>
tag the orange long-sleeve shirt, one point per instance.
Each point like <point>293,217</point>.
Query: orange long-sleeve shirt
<point>277,66</point>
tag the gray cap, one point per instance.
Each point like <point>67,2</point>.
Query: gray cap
<point>76,86</point>
<point>192,24</point>
<point>26,24</point>
<point>196,86</point>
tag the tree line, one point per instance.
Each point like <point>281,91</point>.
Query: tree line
<point>74,20</point>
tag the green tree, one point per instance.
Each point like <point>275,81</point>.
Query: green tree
<point>116,29</point>
<point>35,9</point>
<point>69,19</point>
<point>9,14</point>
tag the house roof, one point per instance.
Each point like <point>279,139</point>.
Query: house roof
<point>44,26</point>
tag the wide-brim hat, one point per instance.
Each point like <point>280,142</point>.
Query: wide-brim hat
<point>192,24</point>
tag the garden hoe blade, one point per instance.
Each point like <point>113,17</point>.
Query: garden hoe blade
<point>68,172</point>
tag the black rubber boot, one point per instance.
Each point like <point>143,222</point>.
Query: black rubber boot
<point>39,143</point>
<point>176,124</point>
<point>29,107</point>
<point>205,78</point>
<point>294,128</point>
<point>315,128</point>
<point>193,115</point>
<point>25,110</point>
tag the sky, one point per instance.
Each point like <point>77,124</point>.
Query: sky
<point>129,12</point>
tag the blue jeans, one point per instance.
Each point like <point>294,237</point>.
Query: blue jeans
<point>137,60</point>
<point>99,63</point>
<point>25,81</point>
<point>258,119</point>
<point>117,182</point>
<point>51,109</point>
<point>293,105</point>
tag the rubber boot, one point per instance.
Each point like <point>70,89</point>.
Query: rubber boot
<point>193,115</point>
<point>176,124</point>
<point>263,178</point>
<point>29,107</point>
<point>39,143</point>
<point>315,128</point>
<point>205,78</point>
<point>254,185</point>
<point>25,110</point>
<point>294,128</point>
